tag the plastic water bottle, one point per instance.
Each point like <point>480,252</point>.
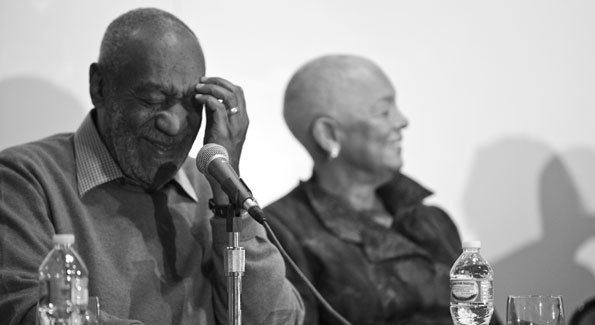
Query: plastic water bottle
<point>471,287</point>
<point>63,285</point>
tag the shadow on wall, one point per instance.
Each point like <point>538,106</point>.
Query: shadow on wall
<point>525,205</point>
<point>31,109</point>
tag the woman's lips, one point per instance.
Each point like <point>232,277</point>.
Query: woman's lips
<point>396,139</point>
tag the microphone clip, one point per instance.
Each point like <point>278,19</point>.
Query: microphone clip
<point>228,212</point>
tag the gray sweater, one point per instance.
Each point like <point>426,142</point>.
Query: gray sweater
<point>41,194</point>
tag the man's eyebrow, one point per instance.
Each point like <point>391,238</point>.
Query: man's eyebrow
<point>168,90</point>
<point>148,85</point>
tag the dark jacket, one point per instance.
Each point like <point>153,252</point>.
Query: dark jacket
<point>369,273</point>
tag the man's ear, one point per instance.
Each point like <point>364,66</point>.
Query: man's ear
<point>326,133</point>
<point>96,85</point>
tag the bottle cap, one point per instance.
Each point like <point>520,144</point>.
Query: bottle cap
<point>63,239</point>
<point>472,244</point>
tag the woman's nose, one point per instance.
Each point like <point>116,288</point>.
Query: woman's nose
<point>400,120</point>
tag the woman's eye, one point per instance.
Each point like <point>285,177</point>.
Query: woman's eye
<point>383,113</point>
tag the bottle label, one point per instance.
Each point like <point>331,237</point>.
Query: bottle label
<point>471,290</point>
<point>79,293</point>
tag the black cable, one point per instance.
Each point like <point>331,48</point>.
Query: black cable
<point>302,276</point>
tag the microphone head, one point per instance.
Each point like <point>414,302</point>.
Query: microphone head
<point>207,154</point>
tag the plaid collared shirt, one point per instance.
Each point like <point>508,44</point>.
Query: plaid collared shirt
<point>95,165</point>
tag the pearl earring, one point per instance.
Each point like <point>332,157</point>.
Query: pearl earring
<point>334,153</point>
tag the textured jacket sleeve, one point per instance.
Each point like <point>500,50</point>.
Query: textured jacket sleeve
<point>298,254</point>
<point>267,296</point>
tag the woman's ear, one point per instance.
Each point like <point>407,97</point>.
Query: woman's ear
<point>96,85</point>
<point>326,134</point>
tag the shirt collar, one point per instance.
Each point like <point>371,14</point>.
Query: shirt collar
<point>183,180</point>
<point>95,165</point>
<point>378,243</point>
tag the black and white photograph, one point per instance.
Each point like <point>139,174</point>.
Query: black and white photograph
<point>297,162</point>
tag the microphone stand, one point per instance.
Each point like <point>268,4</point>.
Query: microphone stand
<point>234,264</point>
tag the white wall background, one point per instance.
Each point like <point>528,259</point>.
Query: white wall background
<point>500,96</point>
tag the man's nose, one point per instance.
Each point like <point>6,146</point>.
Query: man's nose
<point>172,121</point>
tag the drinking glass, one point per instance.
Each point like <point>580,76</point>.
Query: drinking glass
<point>92,314</point>
<point>534,310</point>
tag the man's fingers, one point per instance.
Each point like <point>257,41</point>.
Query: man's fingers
<point>215,110</point>
<point>221,96</point>
<point>211,103</point>
<point>216,114</point>
<point>240,102</point>
<point>219,82</point>
<point>227,119</point>
<point>228,97</point>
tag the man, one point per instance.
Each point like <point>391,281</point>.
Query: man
<point>359,228</point>
<point>123,184</point>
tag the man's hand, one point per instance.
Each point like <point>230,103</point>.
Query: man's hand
<point>227,120</point>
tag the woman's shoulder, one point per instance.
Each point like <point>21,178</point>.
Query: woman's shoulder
<point>288,202</point>
<point>293,213</point>
<point>434,229</point>
<point>290,208</point>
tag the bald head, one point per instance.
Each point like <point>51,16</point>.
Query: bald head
<point>149,65</point>
<point>326,86</point>
<point>139,28</point>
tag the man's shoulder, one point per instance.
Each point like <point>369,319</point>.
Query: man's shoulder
<point>57,149</point>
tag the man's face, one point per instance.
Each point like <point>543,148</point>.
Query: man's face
<point>372,125</point>
<point>152,119</point>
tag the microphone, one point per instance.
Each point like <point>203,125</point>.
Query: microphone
<point>213,160</point>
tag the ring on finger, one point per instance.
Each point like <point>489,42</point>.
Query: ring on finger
<point>233,110</point>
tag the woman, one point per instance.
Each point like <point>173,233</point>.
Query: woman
<point>358,228</point>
